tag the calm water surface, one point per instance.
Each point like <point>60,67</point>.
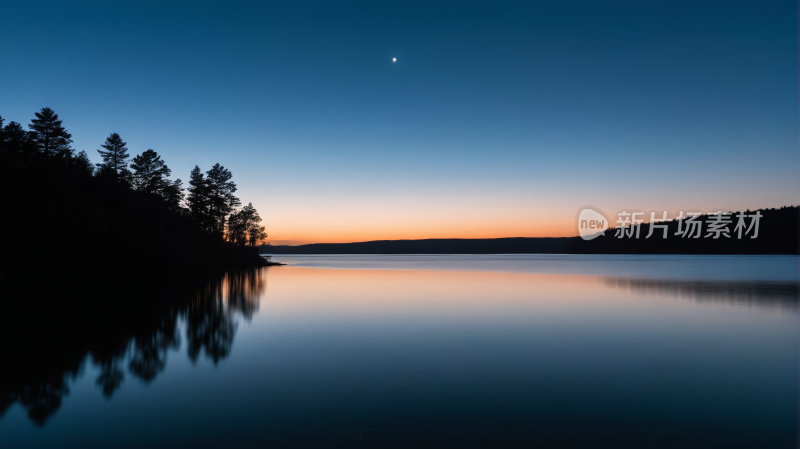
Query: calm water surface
<point>488,351</point>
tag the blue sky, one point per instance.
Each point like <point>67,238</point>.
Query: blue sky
<point>498,118</point>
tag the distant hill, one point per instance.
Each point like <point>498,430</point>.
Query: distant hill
<point>431,246</point>
<point>778,233</point>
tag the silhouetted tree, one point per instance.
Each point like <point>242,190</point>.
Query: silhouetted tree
<point>256,235</point>
<point>243,227</point>
<point>17,140</point>
<point>237,225</point>
<point>50,136</point>
<point>150,176</point>
<point>83,165</point>
<point>211,198</point>
<point>198,200</point>
<point>221,199</point>
<point>3,145</point>
<point>172,192</point>
<point>115,158</point>
<point>149,172</point>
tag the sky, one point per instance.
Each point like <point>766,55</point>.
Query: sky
<point>498,119</point>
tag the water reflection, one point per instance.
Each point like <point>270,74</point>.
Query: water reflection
<point>148,352</point>
<point>365,358</point>
<point>775,295</point>
<point>37,372</point>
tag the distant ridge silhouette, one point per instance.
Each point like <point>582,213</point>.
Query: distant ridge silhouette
<point>431,246</point>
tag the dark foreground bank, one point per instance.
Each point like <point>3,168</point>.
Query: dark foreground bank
<point>68,228</point>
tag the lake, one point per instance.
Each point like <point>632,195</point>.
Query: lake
<point>435,350</point>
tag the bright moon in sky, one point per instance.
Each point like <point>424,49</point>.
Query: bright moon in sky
<point>394,59</point>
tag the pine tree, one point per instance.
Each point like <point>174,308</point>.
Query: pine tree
<point>243,228</point>
<point>150,176</point>
<point>115,158</point>
<point>52,140</point>
<point>237,230</point>
<point>255,234</point>
<point>19,141</point>
<point>172,192</point>
<point>149,172</point>
<point>83,165</point>
<point>221,198</point>
<point>198,200</point>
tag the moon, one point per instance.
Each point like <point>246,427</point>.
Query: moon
<point>394,59</point>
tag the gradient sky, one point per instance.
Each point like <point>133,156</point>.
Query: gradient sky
<point>499,119</point>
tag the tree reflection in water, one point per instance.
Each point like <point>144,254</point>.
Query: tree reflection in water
<point>149,352</point>
<point>111,375</point>
<point>37,372</point>
<point>766,295</point>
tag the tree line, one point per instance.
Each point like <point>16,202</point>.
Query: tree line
<point>209,199</point>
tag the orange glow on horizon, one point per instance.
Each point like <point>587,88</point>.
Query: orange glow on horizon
<point>341,231</point>
<point>349,217</point>
<point>344,216</point>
